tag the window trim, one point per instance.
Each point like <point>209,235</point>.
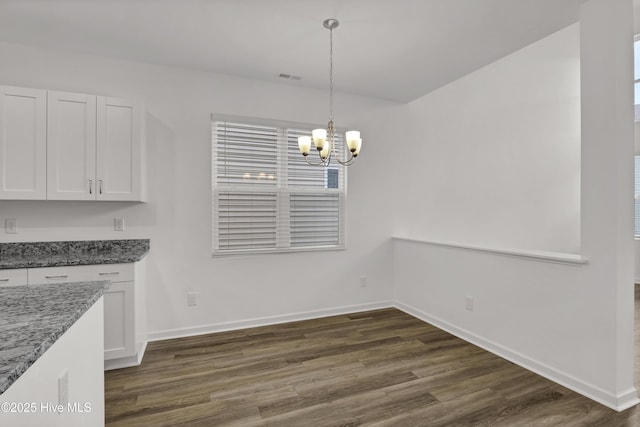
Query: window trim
<point>279,189</point>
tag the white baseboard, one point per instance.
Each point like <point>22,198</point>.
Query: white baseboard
<point>627,400</point>
<point>619,403</point>
<point>264,321</point>
<point>127,362</point>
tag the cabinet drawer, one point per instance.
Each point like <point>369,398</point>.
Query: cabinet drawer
<point>82,273</point>
<point>13,277</point>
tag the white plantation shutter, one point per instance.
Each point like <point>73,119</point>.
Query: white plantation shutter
<point>315,219</point>
<point>246,155</point>
<point>246,220</point>
<point>266,198</point>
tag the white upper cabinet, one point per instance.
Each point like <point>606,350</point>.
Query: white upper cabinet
<point>71,146</point>
<point>119,155</point>
<point>23,144</point>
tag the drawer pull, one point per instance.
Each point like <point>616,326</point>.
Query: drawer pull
<point>113,273</point>
<point>64,276</point>
<point>4,280</point>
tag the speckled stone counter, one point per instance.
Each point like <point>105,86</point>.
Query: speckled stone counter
<point>32,318</point>
<point>52,254</point>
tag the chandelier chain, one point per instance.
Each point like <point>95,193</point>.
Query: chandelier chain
<point>331,74</point>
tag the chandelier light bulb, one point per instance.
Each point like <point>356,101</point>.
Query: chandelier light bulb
<point>352,138</point>
<point>358,147</point>
<point>304,143</point>
<point>319,138</point>
<point>325,151</point>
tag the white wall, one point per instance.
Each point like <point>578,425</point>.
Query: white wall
<point>532,152</point>
<point>499,154</point>
<point>177,217</point>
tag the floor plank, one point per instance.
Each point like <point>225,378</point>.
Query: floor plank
<point>378,368</point>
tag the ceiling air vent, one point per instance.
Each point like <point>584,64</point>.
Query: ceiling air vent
<point>289,76</point>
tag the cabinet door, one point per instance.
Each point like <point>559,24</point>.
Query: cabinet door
<point>119,333</point>
<point>119,158</point>
<point>23,144</point>
<point>71,146</point>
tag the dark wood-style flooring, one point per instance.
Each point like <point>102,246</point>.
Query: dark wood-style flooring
<point>379,368</point>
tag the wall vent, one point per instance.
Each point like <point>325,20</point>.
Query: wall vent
<point>289,76</point>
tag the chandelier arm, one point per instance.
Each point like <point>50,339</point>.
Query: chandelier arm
<point>347,162</point>
<point>326,161</point>
<point>323,162</point>
<point>344,162</point>
<point>320,163</point>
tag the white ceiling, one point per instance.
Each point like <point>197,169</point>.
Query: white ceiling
<point>390,49</point>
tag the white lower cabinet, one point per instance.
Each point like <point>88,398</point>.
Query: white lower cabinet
<point>119,336</point>
<point>122,325</point>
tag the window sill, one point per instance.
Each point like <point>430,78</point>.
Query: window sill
<point>277,251</point>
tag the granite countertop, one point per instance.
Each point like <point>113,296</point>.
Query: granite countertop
<point>32,318</point>
<point>52,254</point>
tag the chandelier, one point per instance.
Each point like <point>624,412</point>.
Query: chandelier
<point>324,139</point>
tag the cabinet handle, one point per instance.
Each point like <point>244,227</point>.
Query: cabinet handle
<point>90,186</point>
<point>4,280</point>
<point>100,186</point>
<point>113,273</point>
<point>64,276</point>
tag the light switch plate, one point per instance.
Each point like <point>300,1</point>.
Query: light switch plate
<point>118,224</point>
<point>469,303</point>
<point>364,281</point>
<point>192,299</point>
<point>11,225</point>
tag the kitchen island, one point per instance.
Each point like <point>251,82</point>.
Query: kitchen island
<point>51,354</point>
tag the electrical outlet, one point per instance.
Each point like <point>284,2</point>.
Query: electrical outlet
<point>469,303</point>
<point>118,224</point>
<point>63,389</point>
<point>192,299</point>
<point>11,225</point>
<point>364,282</point>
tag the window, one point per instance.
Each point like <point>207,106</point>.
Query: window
<point>266,198</point>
